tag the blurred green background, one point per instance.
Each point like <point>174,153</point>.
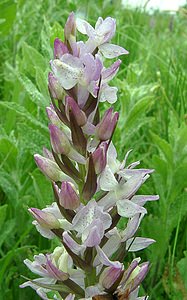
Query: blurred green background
<point>152,102</point>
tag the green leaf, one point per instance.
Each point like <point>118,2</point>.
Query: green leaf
<point>56,32</point>
<point>8,14</point>
<point>32,59</point>
<point>3,210</point>
<point>181,265</point>
<point>32,139</point>
<point>8,186</point>
<point>42,189</point>
<point>24,113</point>
<point>164,147</point>
<point>32,91</point>
<point>8,229</point>
<point>42,83</point>
<point>8,153</point>
<point>136,113</point>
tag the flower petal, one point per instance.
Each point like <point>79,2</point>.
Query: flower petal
<point>142,199</point>
<point>108,181</point>
<point>130,187</point>
<point>138,243</point>
<point>68,70</point>
<point>111,50</point>
<point>109,73</point>
<point>74,246</point>
<point>126,208</point>
<point>108,93</point>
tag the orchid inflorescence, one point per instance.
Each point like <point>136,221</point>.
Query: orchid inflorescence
<point>92,189</point>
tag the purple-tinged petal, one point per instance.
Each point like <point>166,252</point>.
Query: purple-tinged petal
<point>112,51</point>
<point>126,208</point>
<point>89,68</point>
<point>90,185</point>
<point>98,23</point>
<point>99,157</point>
<point>106,30</point>
<point>59,48</point>
<point>55,272</point>
<point>105,260</point>
<point>48,154</point>
<point>47,220</point>
<point>36,283</point>
<point>70,26</point>
<point>55,88</point>
<point>52,210</point>
<point>129,188</point>
<point>109,200</point>
<point>132,226</point>
<point>88,214</point>
<point>109,73</point>
<point>107,181</point>
<point>68,70</point>
<point>106,127</point>
<point>82,95</point>
<point>142,199</point>
<point>112,161</point>
<point>37,266</point>
<point>138,244</point>
<point>88,129</point>
<point>135,281</point>
<point>93,88</point>
<point>108,93</point>
<point>74,155</point>
<point>79,115</point>
<point>98,67</point>
<point>94,233</point>
<point>54,119</point>
<point>74,246</point>
<point>82,26</point>
<point>70,35</point>
<point>110,275</point>
<point>123,164</point>
<point>47,233</point>
<point>59,140</point>
<point>68,197</point>
<point>126,173</point>
<point>113,242</point>
<point>92,291</point>
<point>129,271</point>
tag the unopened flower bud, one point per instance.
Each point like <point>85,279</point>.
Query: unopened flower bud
<point>59,48</point>
<point>48,154</point>
<point>77,112</point>
<point>70,35</point>
<point>48,167</point>
<point>45,219</point>
<point>109,276</point>
<point>137,276</point>
<point>54,271</point>
<point>106,127</point>
<point>54,119</point>
<point>99,157</point>
<point>68,197</point>
<point>55,88</point>
<point>59,140</point>
<point>70,27</point>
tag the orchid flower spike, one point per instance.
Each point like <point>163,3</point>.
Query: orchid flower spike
<point>92,188</point>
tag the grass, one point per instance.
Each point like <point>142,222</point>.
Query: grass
<point>152,102</point>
